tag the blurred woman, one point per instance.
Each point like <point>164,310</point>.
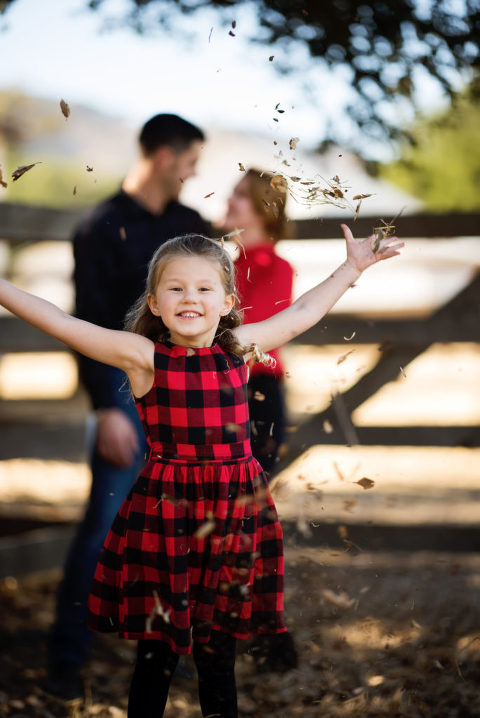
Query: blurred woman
<point>264,283</point>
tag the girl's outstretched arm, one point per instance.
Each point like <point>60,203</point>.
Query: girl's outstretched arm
<point>308,309</point>
<point>131,352</point>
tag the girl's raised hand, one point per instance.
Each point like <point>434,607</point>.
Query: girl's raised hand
<point>361,254</point>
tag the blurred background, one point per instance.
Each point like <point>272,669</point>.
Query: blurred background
<point>383,95</point>
<point>378,484</point>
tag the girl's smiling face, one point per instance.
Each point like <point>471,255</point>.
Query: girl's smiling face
<point>190,299</point>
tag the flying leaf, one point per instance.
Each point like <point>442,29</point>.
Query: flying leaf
<point>241,167</point>
<point>270,59</point>
<point>16,174</point>
<point>208,195</point>
<point>205,529</point>
<point>342,358</point>
<point>278,183</point>
<point>340,600</point>
<point>65,108</point>
<point>365,483</point>
<point>2,181</point>
<point>74,190</point>
<point>349,339</point>
<point>89,169</point>
<point>293,143</point>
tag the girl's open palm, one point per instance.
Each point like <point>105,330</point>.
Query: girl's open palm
<point>361,254</point>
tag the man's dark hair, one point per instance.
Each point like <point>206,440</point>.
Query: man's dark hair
<point>170,130</point>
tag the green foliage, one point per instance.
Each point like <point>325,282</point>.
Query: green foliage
<point>442,168</point>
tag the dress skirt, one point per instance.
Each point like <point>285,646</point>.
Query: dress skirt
<point>196,546</point>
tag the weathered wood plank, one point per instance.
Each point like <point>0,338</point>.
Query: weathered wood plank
<point>26,223</point>
<point>50,440</point>
<point>313,433</point>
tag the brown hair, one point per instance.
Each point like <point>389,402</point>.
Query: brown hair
<point>268,202</point>
<point>141,320</point>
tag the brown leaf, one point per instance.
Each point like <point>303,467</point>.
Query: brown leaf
<point>89,169</point>
<point>205,529</point>
<point>278,183</point>
<point>232,34</point>
<point>340,600</point>
<point>258,396</point>
<point>361,196</point>
<point>241,167</point>
<point>342,358</point>
<point>65,108</point>
<point>16,174</point>
<point>293,143</point>
<point>2,181</point>
<point>208,195</point>
<point>365,483</point>
<point>270,59</point>
<point>74,190</point>
<point>123,233</point>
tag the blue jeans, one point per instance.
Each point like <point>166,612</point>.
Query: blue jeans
<point>70,638</point>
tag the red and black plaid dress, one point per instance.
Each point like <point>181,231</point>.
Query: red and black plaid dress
<point>197,543</point>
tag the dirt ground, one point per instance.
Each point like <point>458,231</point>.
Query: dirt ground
<point>378,634</point>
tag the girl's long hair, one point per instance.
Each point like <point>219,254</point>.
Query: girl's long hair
<point>140,319</point>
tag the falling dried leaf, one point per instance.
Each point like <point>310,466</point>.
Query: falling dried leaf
<point>327,427</point>
<point>361,196</point>
<point>232,34</point>
<point>365,483</point>
<point>65,108</point>
<point>293,143</point>
<point>340,600</point>
<point>349,504</point>
<point>234,24</point>
<point>270,59</point>
<point>241,167</point>
<point>342,531</point>
<point>342,358</point>
<point>190,352</point>
<point>2,181</point>
<point>258,396</point>
<point>349,339</point>
<point>278,183</point>
<point>205,529</point>
<point>89,169</point>
<point>123,233</point>
<point>402,371</point>
<point>209,195</point>
<point>74,190</point>
<point>210,34</point>
<point>16,174</point>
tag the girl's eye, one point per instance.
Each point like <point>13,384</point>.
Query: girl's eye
<point>175,289</point>
<point>205,289</point>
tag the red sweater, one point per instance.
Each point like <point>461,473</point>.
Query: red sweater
<point>264,284</point>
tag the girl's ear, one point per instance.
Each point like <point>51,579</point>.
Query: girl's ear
<point>152,304</point>
<point>228,305</point>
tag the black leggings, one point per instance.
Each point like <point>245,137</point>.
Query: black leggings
<point>156,664</point>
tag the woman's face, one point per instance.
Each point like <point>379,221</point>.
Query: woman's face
<point>241,214</point>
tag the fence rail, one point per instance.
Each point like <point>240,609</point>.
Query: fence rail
<point>59,426</point>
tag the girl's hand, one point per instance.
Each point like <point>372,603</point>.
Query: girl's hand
<point>360,254</point>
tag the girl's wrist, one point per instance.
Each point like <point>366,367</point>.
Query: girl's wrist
<point>352,269</point>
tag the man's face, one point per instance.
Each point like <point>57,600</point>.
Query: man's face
<point>175,168</point>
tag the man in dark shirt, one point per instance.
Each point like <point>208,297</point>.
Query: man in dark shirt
<point>112,248</point>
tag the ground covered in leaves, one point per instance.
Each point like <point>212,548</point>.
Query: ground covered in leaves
<point>378,634</point>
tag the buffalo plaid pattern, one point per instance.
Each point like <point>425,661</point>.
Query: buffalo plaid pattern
<point>197,543</point>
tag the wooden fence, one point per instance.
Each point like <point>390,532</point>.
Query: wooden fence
<point>56,428</point>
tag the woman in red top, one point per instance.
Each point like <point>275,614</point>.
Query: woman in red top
<point>264,285</point>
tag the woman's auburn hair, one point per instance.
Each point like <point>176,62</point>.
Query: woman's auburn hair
<point>268,202</point>
<point>140,319</point>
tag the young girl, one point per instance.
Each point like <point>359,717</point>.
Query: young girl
<point>195,552</point>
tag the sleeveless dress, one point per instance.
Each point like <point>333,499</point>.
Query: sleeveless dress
<point>196,544</point>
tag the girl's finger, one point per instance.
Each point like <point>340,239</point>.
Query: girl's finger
<point>347,233</point>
